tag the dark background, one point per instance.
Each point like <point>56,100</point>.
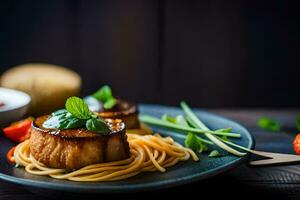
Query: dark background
<point>211,53</point>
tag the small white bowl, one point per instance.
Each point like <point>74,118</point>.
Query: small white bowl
<point>15,105</point>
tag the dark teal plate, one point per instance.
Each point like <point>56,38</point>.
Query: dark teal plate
<point>182,173</point>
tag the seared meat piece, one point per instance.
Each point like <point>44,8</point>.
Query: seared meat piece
<point>75,148</point>
<point>125,111</point>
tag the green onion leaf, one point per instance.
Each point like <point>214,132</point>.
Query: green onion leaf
<point>214,153</point>
<point>158,122</point>
<point>269,124</point>
<point>194,120</point>
<point>192,142</point>
<point>78,108</point>
<point>168,118</point>
<point>181,121</point>
<point>224,130</point>
<point>225,138</point>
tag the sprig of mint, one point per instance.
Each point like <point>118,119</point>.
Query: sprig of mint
<point>76,115</point>
<point>269,124</point>
<point>62,119</point>
<point>78,108</point>
<point>104,94</point>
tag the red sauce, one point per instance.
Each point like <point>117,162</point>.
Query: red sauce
<point>1,104</point>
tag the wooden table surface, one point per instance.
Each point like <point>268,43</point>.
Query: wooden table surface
<point>279,182</point>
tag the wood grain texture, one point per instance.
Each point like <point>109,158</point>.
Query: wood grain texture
<point>202,51</point>
<point>119,46</point>
<point>269,182</point>
<point>211,53</point>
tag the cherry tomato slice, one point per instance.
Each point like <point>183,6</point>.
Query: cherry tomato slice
<point>19,131</point>
<point>10,155</point>
<point>296,144</point>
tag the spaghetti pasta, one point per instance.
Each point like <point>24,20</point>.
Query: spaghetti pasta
<point>148,153</point>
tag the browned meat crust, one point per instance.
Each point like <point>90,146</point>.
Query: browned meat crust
<point>124,110</point>
<point>75,148</point>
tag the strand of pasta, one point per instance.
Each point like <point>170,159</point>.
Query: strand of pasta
<point>148,153</point>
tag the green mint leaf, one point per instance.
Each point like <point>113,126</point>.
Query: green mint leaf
<point>110,103</point>
<point>94,115</point>
<point>214,153</point>
<point>97,126</point>
<point>59,112</point>
<point>298,122</point>
<point>62,119</point>
<point>103,94</point>
<point>71,122</point>
<point>168,118</point>
<point>78,108</point>
<point>268,124</point>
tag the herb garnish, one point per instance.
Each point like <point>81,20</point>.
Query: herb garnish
<point>76,115</point>
<point>104,94</point>
<point>166,124</point>
<point>62,119</point>
<point>214,153</point>
<point>193,142</point>
<point>269,124</point>
<point>194,127</point>
<point>78,108</point>
<point>97,125</point>
<point>298,122</point>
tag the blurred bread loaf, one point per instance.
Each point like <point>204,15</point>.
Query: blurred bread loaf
<point>48,85</point>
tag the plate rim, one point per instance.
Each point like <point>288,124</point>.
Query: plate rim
<point>144,186</point>
<point>23,95</point>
